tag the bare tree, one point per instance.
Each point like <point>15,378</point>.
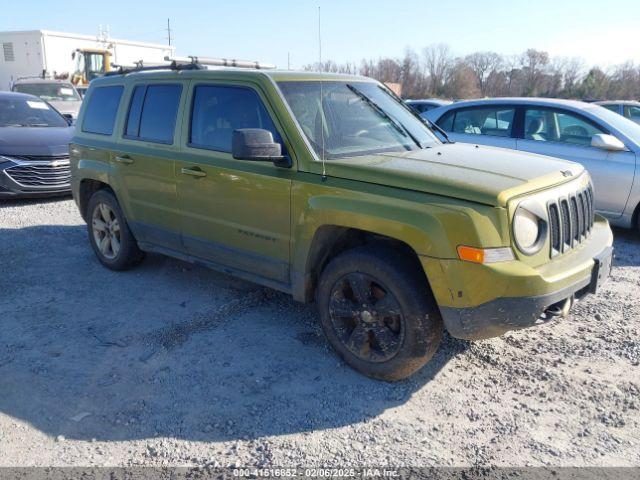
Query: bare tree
<point>533,63</point>
<point>483,64</point>
<point>460,81</point>
<point>412,81</point>
<point>438,61</point>
<point>625,82</point>
<point>572,70</point>
<point>436,72</point>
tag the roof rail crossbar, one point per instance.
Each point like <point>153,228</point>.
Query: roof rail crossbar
<point>220,62</point>
<point>122,70</point>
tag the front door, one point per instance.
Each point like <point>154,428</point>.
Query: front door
<point>234,213</point>
<point>567,135</point>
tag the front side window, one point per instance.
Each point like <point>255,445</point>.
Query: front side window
<point>19,111</point>
<point>343,119</point>
<point>101,111</point>
<point>551,125</point>
<point>219,110</point>
<point>612,107</point>
<point>494,121</point>
<point>152,113</point>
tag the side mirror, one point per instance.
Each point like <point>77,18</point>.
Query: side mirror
<point>257,145</point>
<point>607,142</point>
<point>68,117</point>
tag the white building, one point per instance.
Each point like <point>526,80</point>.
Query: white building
<point>32,52</point>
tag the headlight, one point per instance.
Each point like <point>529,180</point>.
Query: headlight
<point>529,229</point>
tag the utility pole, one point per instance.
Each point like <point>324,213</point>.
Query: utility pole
<point>169,31</point>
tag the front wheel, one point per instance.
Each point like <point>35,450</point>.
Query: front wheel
<point>378,312</point>
<point>109,234</point>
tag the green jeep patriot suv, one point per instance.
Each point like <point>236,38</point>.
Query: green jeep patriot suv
<point>327,187</point>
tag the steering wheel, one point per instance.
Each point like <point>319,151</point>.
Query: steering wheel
<point>364,131</point>
<point>576,131</point>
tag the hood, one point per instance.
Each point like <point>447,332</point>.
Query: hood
<point>37,141</point>
<point>480,174</point>
<point>63,107</point>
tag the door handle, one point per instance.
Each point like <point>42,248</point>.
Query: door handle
<point>194,172</point>
<point>126,159</point>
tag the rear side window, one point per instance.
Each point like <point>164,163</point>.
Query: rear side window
<point>496,121</point>
<point>152,113</point>
<point>100,115</point>
<point>218,111</point>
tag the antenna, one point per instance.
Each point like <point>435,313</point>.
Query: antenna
<point>324,169</point>
<point>169,32</point>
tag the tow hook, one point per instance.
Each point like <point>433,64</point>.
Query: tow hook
<point>561,308</point>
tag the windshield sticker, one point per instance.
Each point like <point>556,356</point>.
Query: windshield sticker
<point>37,105</point>
<point>66,91</point>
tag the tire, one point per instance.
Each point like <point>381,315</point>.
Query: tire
<point>386,337</point>
<point>103,207</point>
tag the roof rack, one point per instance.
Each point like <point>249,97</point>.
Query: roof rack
<point>188,63</point>
<point>220,62</point>
<point>139,67</point>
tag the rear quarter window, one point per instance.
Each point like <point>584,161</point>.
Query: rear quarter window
<point>102,109</point>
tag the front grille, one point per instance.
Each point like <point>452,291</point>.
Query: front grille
<point>40,158</point>
<point>42,174</point>
<point>570,220</point>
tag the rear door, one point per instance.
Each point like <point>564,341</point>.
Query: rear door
<point>491,125</point>
<point>567,135</point>
<point>233,212</point>
<point>145,160</point>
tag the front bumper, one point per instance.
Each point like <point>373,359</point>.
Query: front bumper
<point>31,177</point>
<point>484,301</point>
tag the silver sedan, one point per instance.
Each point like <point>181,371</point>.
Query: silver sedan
<point>606,143</point>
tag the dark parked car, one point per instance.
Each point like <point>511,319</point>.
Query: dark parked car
<point>34,147</point>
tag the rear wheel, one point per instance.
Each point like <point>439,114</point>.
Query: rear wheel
<point>109,234</point>
<point>378,313</point>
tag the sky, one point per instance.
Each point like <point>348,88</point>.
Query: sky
<point>602,33</point>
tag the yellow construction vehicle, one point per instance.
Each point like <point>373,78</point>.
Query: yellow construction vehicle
<point>89,64</point>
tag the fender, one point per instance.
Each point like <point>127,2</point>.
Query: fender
<point>432,227</point>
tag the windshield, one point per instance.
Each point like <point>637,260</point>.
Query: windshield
<point>28,112</point>
<point>354,118</point>
<point>624,125</point>
<point>49,91</point>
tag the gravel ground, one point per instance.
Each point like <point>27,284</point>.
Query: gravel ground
<point>173,364</point>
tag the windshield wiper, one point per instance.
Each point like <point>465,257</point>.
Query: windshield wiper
<point>436,127</point>
<point>427,123</point>
<point>384,114</point>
